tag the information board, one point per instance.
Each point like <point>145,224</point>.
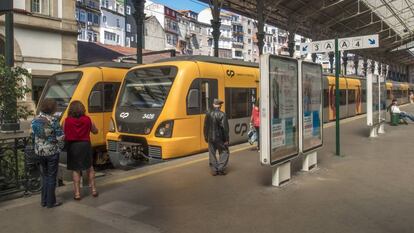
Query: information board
<point>279,109</point>
<point>311,106</point>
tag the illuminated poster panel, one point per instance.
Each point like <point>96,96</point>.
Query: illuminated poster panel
<point>283,112</point>
<point>383,98</point>
<point>375,100</point>
<point>311,106</point>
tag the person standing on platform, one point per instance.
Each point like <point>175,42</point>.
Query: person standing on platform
<point>77,127</point>
<point>216,134</point>
<point>48,143</point>
<point>255,121</point>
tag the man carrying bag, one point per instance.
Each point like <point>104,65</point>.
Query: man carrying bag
<point>216,133</point>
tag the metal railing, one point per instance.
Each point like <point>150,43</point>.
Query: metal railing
<point>18,173</point>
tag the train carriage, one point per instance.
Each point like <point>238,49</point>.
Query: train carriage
<point>160,109</point>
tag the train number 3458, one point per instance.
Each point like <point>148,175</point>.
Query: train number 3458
<point>148,116</point>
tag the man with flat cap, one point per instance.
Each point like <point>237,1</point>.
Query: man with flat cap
<point>216,133</point>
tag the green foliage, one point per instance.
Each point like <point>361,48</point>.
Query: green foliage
<point>11,89</point>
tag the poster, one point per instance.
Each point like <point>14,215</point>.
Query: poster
<point>311,106</point>
<point>283,80</point>
<point>375,99</point>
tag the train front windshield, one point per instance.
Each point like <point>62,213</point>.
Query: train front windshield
<point>147,88</point>
<point>60,88</point>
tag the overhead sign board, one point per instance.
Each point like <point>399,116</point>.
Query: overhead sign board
<point>350,43</point>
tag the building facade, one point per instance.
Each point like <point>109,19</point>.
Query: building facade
<point>130,25</point>
<point>45,40</point>
<point>88,15</point>
<point>112,30</point>
<point>154,34</point>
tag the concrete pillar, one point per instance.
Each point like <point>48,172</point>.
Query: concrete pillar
<point>356,63</point>
<point>345,61</point>
<point>365,65</point>
<point>314,57</point>
<point>331,61</point>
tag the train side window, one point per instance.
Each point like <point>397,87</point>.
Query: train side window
<point>351,96</point>
<point>193,98</point>
<point>325,98</point>
<point>238,102</point>
<point>208,93</point>
<point>95,103</point>
<point>342,97</point>
<point>110,91</point>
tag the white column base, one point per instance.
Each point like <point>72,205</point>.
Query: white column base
<point>281,174</point>
<point>310,161</point>
<point>373,132</point>
<point>381,128</point>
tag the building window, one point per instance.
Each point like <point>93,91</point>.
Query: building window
<point>110,36</point>
<point>95,37</point>
<point>96,19</point>
<point>36,6</point>
<point>117,23</point>
<point>104,19</point>
<point>82,16</point>
<point>128,10</point>
<point>210,42</point>
<point>128,42</point>
<point>117,39</point>
<point>249,41</point>
<point>249,31</point>
<point>90,17</point>
<point>132,38</point>
<point>128,28</point>
<point>77,14</point>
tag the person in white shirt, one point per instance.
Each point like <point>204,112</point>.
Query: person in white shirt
<point>396,109</point>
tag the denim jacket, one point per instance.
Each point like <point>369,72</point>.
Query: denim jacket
<point>48,135</point>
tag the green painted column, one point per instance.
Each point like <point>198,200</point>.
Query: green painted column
<point>337,72</point>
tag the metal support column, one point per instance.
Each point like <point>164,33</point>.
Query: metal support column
<point>291,43</point>
<point>260,34</point>
<point>356,64</point>
<point>337,72</point>
<point>331,61</point>
<point>139,16</point>
<point>314,57</point>
<point>345,61</point>
<point>365,65</point>
<point>216,24</point>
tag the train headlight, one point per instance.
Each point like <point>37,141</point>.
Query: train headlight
<point>111,126</point>
<point>165,129</point>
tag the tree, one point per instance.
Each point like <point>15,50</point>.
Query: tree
<point>12,89</point>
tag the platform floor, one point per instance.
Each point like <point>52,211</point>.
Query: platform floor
<point>368,189</point>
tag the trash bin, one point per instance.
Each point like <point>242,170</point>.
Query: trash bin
<point>395,119</point>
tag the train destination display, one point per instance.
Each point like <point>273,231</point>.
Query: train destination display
<point>283,78</point>
<point>311,106</point>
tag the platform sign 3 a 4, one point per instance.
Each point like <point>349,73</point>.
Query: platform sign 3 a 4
<point>311,105</point>
<point>279,109</point>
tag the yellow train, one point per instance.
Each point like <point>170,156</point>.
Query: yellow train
<point>353,95</point>
<point>160,109</point>
<point>96,85</point>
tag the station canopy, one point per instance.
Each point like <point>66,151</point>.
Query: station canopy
<point>393,20</point>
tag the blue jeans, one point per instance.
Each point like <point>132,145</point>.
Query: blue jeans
<point>49,166</point>
<point>406,115</point>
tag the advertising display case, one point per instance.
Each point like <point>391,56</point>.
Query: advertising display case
<point>312,126</point>
<point>279,109</point>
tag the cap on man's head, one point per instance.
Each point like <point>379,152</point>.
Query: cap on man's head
<point>217,102</point>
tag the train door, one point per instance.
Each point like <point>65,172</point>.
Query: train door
<point>239,103</point>
<point>95,108</point>
<point>208,91</point>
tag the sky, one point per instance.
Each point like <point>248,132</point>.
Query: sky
<point>193,5</point>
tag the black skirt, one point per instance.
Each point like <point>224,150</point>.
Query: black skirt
<point>79,155</point>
